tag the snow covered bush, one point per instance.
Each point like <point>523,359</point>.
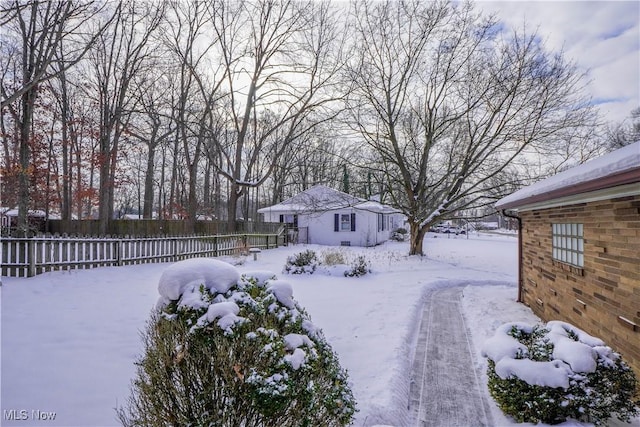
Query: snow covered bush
<point>333,257</point>
<point>304,262</point>
<point>399,235</point>
<point>550,373</point>
<point>228,350</point>
<point>334,262</point>
<point>359,267</point>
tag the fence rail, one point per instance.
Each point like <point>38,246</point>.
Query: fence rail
<point>28,257</point>
<point>155,227</point>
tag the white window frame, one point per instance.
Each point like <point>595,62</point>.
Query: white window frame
<point>567,243</point>
<point>345,225</point>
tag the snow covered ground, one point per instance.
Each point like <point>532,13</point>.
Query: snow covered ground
<point>70,339</point>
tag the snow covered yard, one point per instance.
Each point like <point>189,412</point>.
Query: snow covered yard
<point>69,339</point>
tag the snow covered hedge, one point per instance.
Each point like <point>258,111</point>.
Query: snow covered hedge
<point>304,262</point>
<point>550,373</point>
<point>334,262</point>
<point>227,350</point>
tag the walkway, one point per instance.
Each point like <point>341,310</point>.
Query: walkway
<point>445,388</point>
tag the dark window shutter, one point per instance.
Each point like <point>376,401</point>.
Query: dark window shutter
<point>281,218</point>
<point>336,222</point>
<point>353,222</point>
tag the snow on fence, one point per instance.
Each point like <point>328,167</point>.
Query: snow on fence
<point>28,257</point>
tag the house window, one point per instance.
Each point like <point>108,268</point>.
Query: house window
<point>568,244</point>
<point>345,222</point>
<point>289,219</point>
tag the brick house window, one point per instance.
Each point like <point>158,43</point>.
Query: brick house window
<point>568,244</point>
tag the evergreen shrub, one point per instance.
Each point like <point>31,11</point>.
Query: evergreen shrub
<point>304,262</point>
<point>359,267</point>
<point>547,374</point>
<point>247,357</point>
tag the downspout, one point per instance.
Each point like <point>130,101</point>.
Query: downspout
<point>520,276</point>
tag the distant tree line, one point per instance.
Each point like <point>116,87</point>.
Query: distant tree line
<point>209,108</point>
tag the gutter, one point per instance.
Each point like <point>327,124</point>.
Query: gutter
<point>626,177</point>
<point>520,275</point>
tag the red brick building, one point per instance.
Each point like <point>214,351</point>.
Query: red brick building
<point>580,248</point>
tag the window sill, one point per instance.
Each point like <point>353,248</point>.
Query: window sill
<point>568,268</point>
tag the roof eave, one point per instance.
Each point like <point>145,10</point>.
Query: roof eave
<point>624,178</point>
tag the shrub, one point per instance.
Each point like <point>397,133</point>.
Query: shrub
<point>304,262</point>
<point>333,257</point>
<point>548,374</point>
<point>244,356</point>
<point>359,267</point>
<point>399,235</point>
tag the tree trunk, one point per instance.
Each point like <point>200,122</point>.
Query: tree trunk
<point>173,186</point>
<point>104,213</point>
<point>417,238</point>
<point>234,196</point>
<point>192,203</point>
<point>147,209</point>
<point>66,169</point>
<point>24,200</point>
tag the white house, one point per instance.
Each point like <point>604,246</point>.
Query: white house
<point>324,216</point>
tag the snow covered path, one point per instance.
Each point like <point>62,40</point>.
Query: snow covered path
<point>444,390</point>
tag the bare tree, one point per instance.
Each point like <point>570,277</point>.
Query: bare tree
<point>39,28</point>
<point>45,25</point>
<point>447,104</point>
<point>627,132</point>
<point>119,54</point>
<point>197,93</point>
<point>280,60</point>
<point>153,124</point>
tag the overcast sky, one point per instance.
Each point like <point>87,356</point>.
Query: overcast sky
<point>602,37</point>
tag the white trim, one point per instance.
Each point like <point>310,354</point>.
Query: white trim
<point>593,196</point>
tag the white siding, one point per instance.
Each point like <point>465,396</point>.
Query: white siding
<point>321,229</point>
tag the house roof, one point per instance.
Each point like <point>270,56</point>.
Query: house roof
<point>322,198</point>
<point>31,212</point>
<point>618,170</point>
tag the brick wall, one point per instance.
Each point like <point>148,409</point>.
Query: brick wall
<point>603,297</point>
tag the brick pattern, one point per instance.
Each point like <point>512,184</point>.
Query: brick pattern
<point>603,298</point>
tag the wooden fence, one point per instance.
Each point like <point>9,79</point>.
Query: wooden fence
<point>155,227</point>
<point>28,257</point>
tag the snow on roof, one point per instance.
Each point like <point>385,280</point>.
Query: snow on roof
<point>376,207</point>
<point>132,216</point>
<point>319,197</point>
<point>619,161</point>
<point>31,213</point>
<point>323,198</point>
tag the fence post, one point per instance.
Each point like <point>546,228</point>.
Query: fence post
<point>119,251</point>
<point>31,253</point>
<point>215,246</point>
<point>174,250</point>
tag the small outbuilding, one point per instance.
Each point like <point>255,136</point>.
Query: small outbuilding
<point>9,219</point>
<point>580,248</point>
<point>324,216</point>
